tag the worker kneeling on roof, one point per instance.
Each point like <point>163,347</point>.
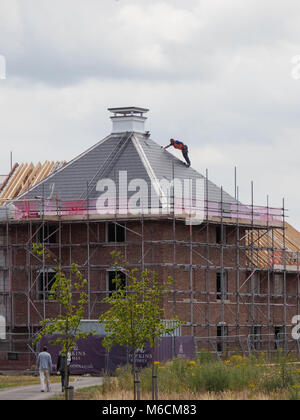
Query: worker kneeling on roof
<point>181,146</point>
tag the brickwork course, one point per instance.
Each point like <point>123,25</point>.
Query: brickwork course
<point>236,273</point>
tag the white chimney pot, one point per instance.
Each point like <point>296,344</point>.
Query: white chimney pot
<point>128,119</point>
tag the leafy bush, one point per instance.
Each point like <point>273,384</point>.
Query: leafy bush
<point>216,377</point>
<point>124,376</point>
<point>205,357</point>
<point>108,385</point>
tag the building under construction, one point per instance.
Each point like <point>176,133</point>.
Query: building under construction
<point>235,266</point>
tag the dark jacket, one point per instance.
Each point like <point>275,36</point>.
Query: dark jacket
<point>60,367</point>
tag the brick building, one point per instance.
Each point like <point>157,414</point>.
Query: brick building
<point>235,266</point>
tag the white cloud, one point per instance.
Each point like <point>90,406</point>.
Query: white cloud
<point>216,73</point>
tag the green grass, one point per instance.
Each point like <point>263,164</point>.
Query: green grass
<point>88,393</point>
<point>9,381</point>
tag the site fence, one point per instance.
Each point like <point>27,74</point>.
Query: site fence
<point>266,344</point>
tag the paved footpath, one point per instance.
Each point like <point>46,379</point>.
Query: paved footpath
<point>33,392</point>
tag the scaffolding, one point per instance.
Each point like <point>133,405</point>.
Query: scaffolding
<point>236,282</point>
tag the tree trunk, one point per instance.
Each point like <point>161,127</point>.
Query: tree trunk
<point>138,386</point>
<point>156,386</point>
<point>133,371</point>
<point>136,380</point>
<point>66,377</point>
<point>153,376</point>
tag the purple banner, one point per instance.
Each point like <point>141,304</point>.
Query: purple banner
<point>89,356</point>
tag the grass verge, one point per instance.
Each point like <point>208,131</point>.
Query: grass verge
<point>10,381</point>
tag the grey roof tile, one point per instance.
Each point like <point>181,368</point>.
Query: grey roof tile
<point>140,156</point>
<point>166,165</point>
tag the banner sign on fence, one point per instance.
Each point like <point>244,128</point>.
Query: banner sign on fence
<point>89,356</point>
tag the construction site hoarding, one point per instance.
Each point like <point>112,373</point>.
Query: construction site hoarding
<point>89,355</point>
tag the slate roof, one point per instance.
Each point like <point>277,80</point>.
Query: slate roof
<point>166,165</point>
<point>135,153</point>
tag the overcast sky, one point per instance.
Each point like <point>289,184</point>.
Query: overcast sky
<point>217,74</point>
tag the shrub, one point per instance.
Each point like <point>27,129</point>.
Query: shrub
<point>108,384</point>
<point>294,393</point>
<point>205,357</point>
<point>124,376</point>
<point>215,377</point>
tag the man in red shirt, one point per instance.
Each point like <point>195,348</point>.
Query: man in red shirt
<point>181,146</point>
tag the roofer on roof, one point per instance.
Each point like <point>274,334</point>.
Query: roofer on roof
<point>181,146</point>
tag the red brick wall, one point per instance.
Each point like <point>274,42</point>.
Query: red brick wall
<point>206,308</point>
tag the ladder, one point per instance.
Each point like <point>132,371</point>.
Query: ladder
<point>109,161</point>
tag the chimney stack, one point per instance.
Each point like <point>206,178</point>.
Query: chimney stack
<point>128,119</point>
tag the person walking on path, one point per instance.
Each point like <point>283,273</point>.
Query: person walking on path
<point>44,365</point>
<point>61,369</point>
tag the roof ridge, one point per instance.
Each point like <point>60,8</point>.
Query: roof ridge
<point>147,166</point>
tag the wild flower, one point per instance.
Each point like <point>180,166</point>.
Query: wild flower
<point>237,357</point>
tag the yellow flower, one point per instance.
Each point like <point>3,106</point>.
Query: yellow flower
<point>296,386</point>
<point>156,363</point>
<point>251,386</point>
<point>161,367</point>
<point>191,363</point>
<point>237,358</point>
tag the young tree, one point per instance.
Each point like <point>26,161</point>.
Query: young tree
<point>154,313</point>
<point>124,320</point>
<point>134,318</point>
<point>70,294</point>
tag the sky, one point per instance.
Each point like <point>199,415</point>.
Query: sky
<point>222,76</point>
